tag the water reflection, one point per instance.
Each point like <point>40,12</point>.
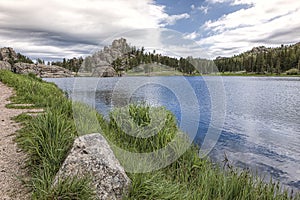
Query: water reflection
<point>261,131</point>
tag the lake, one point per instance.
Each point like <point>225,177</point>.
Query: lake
<point>255,121</point>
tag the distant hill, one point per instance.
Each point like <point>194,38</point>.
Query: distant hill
<point>121,59</point>
<point>262,60</point>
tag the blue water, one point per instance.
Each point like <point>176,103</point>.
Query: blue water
<point>261,115</point>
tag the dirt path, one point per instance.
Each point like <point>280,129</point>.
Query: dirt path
<point>12,160</point>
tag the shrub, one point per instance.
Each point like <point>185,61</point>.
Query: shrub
<point>293,71</point>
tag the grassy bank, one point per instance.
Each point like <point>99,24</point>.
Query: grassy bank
<point>48,137</point>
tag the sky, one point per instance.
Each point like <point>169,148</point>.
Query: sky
<point>56,29</point>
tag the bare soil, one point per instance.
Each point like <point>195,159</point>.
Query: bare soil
<point>12,159</point>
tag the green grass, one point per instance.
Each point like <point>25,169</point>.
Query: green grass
<point>153,70</point>
<point>48,137</point>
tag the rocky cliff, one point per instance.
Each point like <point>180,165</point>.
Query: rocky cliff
<point>10,60</point>
<point>100,63</point>
<point>42,71</point>
<point>8,54</point>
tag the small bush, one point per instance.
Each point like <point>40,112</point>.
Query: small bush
<point>293,71</point>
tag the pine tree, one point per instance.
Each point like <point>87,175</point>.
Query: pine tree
<point>278,68</point>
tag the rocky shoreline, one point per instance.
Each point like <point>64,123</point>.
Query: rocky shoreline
<point>9,60</point>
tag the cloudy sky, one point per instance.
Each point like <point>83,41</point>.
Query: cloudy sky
<point>53,29</point>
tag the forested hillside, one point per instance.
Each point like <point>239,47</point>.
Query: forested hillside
<point>263,60</point>
<point>137,57</point>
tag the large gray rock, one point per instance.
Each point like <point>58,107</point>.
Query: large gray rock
<point>26,68</point>
<point>7,54</point>
<point>104,71</point>
<point>42,71</point>
<point>5,65</point>
<point>91,156</point>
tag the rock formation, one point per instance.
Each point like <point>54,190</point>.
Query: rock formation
<point>5,65</point>
<point>100,62</point>
<point>91,156</point>
<point>8,54</point>
<point>261,49</point>
<point>104,71</point>
<point>42,71</point>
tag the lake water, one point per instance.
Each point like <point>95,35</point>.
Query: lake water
<point>261,128</point>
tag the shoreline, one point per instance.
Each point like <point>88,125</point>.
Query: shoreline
<point>187,178</point>
<point>191,75</point>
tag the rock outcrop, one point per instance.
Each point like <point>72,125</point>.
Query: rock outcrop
<point>42,71</point>
<point>5,65</point>
<point>8,54</point>
<point>91,156</point>
<point>100,63</point>
<point>104,71</point>
<point>261,49</point>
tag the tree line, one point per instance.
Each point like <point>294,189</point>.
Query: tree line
<point>259,60</point>
<point>72,64</point>
<point>263,60</point>
<point>136,57</point>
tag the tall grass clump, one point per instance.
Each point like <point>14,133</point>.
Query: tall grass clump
<point>52,138</point>
<point>133,129</point>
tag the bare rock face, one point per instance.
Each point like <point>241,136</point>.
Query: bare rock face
<point>91,156</point>
<point>105,57</point>
<point>5,65</point>
<point>7,54</point>
<point>104,71</point>
<point>42,71</point>
<point>53,71</point>
<point>26,68</point>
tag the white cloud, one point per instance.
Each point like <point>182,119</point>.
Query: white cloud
<point>232,2</point>
<point>217,1</point>
<point>204,9</point>
<point>264,23</point>
<point>56,27</point>
<point>191,36</point>
<point>171,20</point>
